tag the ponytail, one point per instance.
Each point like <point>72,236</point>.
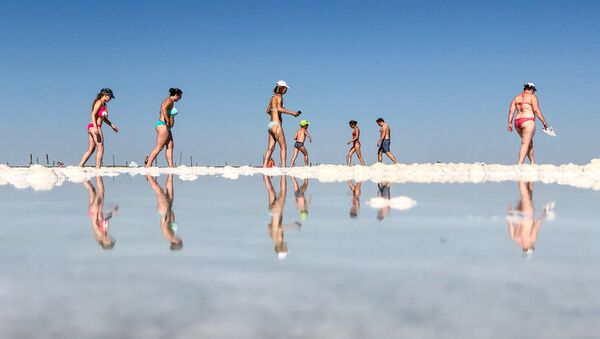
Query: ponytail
<point>98,96</point>
<point>175,91</point>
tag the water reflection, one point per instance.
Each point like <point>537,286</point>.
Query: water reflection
<point>383,191</point>
<point>100,222</point>
<point>523,226</point>
<point>276,205</point>
<point>164,207</point>
<point>301,202</point>
<point>355,190</point>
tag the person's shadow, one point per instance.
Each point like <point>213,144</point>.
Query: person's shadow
<point>164,207</point>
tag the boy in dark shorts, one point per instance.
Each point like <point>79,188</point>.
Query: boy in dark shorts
<point>300,136</point>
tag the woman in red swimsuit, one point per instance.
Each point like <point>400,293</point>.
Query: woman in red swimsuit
<point>527,108</point>
<point>355,144</point>
<point>94,128</point>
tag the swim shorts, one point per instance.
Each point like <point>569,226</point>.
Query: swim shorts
<point>385,146</point>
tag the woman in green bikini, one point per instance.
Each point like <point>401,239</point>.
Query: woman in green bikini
<point>166,120</point>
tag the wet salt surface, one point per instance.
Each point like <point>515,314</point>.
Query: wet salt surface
<point>435,260</point>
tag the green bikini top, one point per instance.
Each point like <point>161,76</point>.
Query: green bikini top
<point>173,112</point>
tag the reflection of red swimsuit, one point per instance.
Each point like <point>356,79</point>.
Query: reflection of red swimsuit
<point>520,121</point>
<point>101,113</point>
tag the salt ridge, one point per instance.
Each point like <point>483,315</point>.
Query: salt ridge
<point>587,176</point>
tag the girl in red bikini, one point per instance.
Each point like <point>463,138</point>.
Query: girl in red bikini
<point>94,128</point>
<point>527,108</point>
<point>355,144</point>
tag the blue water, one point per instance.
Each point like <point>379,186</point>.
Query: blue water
<point>445,268</point>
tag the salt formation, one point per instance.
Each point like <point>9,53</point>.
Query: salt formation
<point>581,176</point>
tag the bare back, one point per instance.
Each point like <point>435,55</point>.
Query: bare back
<point>273,109</point>
<point>165,107</point>
<point>523,103</point>
<point>300,135</point>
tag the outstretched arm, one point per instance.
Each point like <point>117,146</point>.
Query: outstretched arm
<point>115,128</point>
<point>280,108</point>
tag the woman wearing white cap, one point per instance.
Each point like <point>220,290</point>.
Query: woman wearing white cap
<point>275,128</point>
<point>527,108</point>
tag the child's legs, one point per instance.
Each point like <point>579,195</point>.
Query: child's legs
<point>349,156</point>
<point>305,152</point>
<point>359,155</point>
<point>293,161</point>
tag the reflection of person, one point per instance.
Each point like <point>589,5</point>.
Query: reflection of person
<point>100,222</point>
<point>301,135</point>
<point>276,205</point>
<point>301,202</point>
<point>275,127</point>
<point>164,205</point>
<point>94,128</point>
<point>164,126</point>
<point>355,144</point>
<point>522,224</point>
<point>383,191</point>
<point>383,143</point>
<point>527,107</point>
<point>355,189</point>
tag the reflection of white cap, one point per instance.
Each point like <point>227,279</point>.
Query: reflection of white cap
<point>530,84</point>
<point>282,83</point>
<point>281,255</point>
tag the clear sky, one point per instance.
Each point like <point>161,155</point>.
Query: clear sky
<point>442,73</point>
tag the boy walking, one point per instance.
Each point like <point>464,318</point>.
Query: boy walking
<point>300,136</point>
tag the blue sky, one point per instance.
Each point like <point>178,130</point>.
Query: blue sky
<point>441,73</point>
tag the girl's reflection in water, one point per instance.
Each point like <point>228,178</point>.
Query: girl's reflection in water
<point>164,205</point>
<point>355,190</point>
<point>523,227</point>
<point>301,202</point>
<point>276,205</point>
<point>100,223</point>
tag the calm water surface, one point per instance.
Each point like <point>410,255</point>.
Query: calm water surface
<point>137,257</point>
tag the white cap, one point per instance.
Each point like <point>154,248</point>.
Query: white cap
<point>530,84</point>
<point>282,84</point>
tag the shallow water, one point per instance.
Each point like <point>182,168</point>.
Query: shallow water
<point>442,266</point>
